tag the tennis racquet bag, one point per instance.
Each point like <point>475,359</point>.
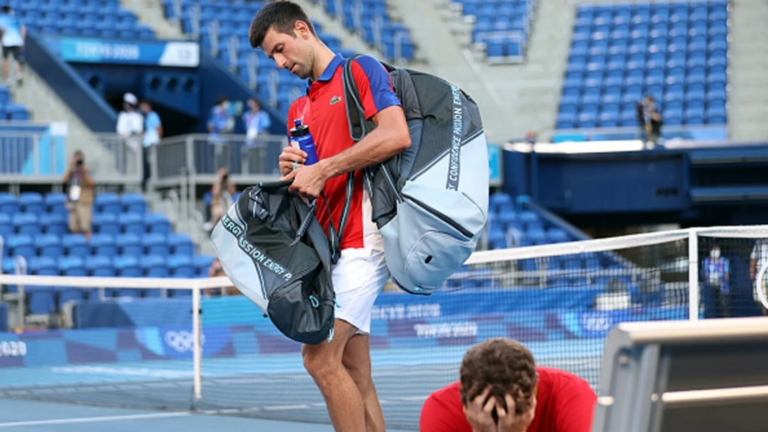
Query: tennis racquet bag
<point>274,251</point>
<point>429,202</point>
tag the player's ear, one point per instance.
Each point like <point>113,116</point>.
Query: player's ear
<point>301,29</point>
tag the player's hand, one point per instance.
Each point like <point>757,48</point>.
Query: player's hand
<point>478,412</point>
<point>288,157</point>
<point>509,421</point>
<point>308,180</point>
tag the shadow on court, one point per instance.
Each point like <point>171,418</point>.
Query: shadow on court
<point>33,416</point>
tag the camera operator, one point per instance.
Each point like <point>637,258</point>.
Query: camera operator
<point>222,196</point>
<point>80,192</point>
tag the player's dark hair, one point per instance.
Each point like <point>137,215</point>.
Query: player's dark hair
<point>6,9</point>
<point>506,366</point>
<point>280,16</point>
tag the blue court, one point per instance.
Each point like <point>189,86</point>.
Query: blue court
<point>33,416</point>
<point>159,393</point>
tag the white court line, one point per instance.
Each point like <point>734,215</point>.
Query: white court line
<point>94,419</point>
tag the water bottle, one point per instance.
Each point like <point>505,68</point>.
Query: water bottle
<point>302,139</point>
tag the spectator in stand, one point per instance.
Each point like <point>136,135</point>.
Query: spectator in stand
<point>502,390</point>
<point>13,35</point>
<point>221,122</point>
<point>153,132</point>
<point>649,121</point>
<point>257,122</point>
<point>716,272</point>
<point>757,260</point>
<point>130,126</point>
<point>222,197</point>
<point>80,193</point>
<point>216,271</point>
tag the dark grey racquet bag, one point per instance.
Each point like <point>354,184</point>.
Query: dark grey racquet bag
<point>274,251</point>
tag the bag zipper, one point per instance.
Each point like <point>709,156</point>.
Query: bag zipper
<point>441,216</point>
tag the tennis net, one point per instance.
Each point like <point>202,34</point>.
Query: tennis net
<point>184,345</point>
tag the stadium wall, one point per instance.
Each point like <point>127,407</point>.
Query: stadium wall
<point>86,103</point>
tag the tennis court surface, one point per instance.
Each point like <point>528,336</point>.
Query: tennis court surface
<point>34,416</point>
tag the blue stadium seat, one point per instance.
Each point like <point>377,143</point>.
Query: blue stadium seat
<point>54,203</point>
<point>65,295</point>
<point>49,245</point>
<point>156,244</point>
<point>43,266</point>
<point>181,266</point>
<point>104,245</point>
<point>107,202</point>
<point>100,266</point>
<point>76,245</point>
<point>132,223</point>
<point>40,300</point>
<point>6,226</point>
<point>129,244</point>
<point>154,266</point>
<point>157,224</point>
<point>27,223</point>
<point>181,244</point>
<point>127,266</point>
<point>106,223</point>
<point>54,223</point>
<point>72,266</point>
<point>32,202</point>
<point>21,245</point>
<point>133,203</point>
<point>557,235</point>
<point>202,263</point>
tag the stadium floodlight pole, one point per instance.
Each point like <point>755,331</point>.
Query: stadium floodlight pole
<point>693,275</point>
<point>197,356</point>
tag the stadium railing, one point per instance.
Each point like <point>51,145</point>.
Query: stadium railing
<point>39,154</point>
<point>200,156</point>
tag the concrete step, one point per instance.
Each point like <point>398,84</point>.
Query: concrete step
<point>335,26</point>
<point>34,90</point>
<point>750,133</point>
<point>151,13</point>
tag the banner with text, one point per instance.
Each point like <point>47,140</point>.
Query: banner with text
<point>151,53</point>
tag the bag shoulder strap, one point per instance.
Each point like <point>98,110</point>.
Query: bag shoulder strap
<point>355,112</point>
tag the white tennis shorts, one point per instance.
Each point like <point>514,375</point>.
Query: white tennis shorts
<point>358,278</point>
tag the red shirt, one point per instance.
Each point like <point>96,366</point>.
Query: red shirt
<point>323,109</point>
<point>564,403</point>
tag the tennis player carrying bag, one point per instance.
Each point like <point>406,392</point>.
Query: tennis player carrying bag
<point>275,252</point>
<point>429,202</point>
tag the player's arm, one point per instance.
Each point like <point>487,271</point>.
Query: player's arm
<point>753,262</point>
<point>390,137</point>
<point>575,407</point>
<point>380,104</point>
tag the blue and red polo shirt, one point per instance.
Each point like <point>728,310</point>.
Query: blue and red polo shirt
<point>323,109</point>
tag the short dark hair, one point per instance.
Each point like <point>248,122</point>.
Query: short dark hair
<point>280,15</point>
<point>506,366</point>
<point>6,9</point>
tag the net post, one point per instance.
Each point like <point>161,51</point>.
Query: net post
<point>197,345</point>
<point>693,275</point>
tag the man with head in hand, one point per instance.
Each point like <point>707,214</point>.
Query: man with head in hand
<point>502,390</point>
<point>341,367</point>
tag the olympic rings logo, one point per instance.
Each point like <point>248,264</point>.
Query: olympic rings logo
<point>182,341</point>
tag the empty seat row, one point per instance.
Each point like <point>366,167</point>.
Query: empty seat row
<point>100,245</point>
<point>103,223</point>
<point>106,202</point>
